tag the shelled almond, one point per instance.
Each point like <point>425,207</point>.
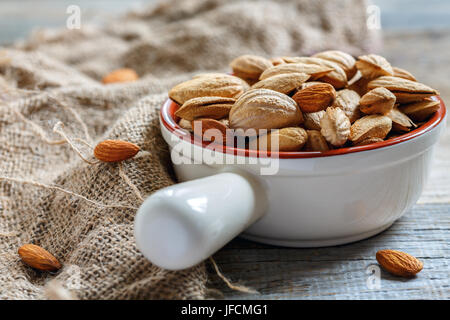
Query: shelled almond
<point>326,101</point>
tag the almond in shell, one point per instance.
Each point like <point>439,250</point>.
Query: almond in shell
<point>215,85</point>
<point>348,101</point>
<point>316,142</point>
<point>404,90</point>
<point>207,107</point>
<point>315,71</point>
<point>368,141</point>
<point>210,130</point>
<point>285,139</point>
<point>420,111</point>
<point>249,67</point>
<point>284,83</point>
<point>402,73</point>
<point>377,101</point>
<point>312,120</point>
<point>371,126</point>
<point>344,60</point>
<point>315,98</point>
<point>337,77</point>
<point>399,263</point>
<point>372,66</point>
<point>400,121</point>
<point>38,258</point>
<point>264,109</point>
<point>335,126</point>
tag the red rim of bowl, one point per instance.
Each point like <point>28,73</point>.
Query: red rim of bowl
<point>169,120</point>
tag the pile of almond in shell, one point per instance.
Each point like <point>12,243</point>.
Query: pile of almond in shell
<point>318,103</point>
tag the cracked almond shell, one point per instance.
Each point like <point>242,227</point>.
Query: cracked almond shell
<point>207,107</point>
<point>215,85</point>
<point>372,66</point>
<point>399,263</point>
<point>284,83</point>
<point>344,60</point>
<point>337,77</point>
<point>371,126</point>
<point>285,139</point>
<point>420,111</point>
<point>315,71</point>
<point>404,90</point>
<point>400,121</point>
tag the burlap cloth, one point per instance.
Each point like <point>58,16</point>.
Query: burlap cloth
<point>83,213</point>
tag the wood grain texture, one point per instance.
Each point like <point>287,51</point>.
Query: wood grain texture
<point>341,272</point>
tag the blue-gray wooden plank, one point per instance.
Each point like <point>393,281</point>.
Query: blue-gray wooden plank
<point>341,272</point>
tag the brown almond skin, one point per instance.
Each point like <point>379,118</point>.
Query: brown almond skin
<point>316,142</point>
<point>115,150</point>
<point>399,263</point>
<point>120,75</point>
<point>315,98</point>
<point>38,258</point>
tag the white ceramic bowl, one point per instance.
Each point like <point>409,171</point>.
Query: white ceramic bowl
<point>316,198</point>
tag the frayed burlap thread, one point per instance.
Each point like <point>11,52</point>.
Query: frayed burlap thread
<point>53,109</point>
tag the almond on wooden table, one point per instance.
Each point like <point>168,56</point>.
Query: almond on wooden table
<point>38,258</point>
<point>404,90</point>
<point>399,263</point>
<point>120,75</point>
<point>115,150</point>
